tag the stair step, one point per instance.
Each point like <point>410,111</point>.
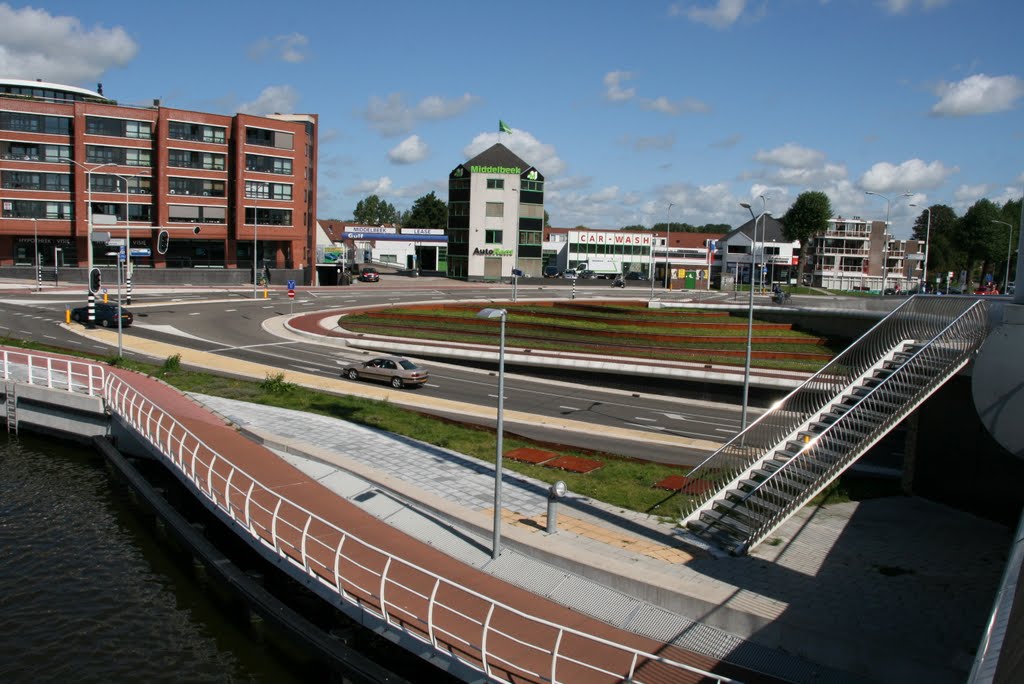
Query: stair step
<point>718,519</point>
<point>715,534</point>
<point>746,513</point>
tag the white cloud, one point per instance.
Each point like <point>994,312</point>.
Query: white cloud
<point>913,173</point>
<point>904,6</point>
<point>289,47</point>
<point>527,147</point>
<point>790,156</point>
<point>391,116</point>
<point>613,88</point>
<point>409,151</point>
<point>380,186</point>
<point>35,44</point>
<point>722,14</point>
<point>978,94</point>
<point>969,194</point>
<point>271,100</point>
<point>674,107</point>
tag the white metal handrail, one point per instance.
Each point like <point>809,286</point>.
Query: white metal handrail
<point>81,377</point>
<point>210,472</point>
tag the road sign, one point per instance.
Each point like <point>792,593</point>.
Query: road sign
<point>115,242</point>
<point>291,284</point>
<point>98,236</point>
<point>291,294</point>
<point>120,255</point>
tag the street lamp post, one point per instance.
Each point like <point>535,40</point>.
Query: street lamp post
<point>668,240</point>
<point>1009,246</point>
<point>35,255</point>
<point>750,312</point>
<point>927,240</point>
<point>500,314</point>
<point>885,246</point>
<point>255,230</point>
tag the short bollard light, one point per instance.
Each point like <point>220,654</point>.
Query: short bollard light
<point>555,492</point>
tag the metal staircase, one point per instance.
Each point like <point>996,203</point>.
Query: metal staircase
<point>757,480</point>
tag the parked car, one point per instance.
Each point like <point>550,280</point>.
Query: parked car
<point>588,274</point>
<point>570,274</point>
<point>369,275</point>
<point>550,271</point>
<point>105,314</point>
<point>396,370</point>
<point>635,275</point>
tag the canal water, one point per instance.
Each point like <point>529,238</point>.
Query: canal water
<point>90,591</point>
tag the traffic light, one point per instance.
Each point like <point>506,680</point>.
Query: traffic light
<point>94,280</point>
<point>163,241</point>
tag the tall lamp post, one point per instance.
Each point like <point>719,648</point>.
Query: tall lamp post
<point>35,255</point>
<point>885,245</point>
<point>1009,246</point>
<point>750,312</point>
<point>668,240</point>
<point>927,240</point>
<point>255,244</point>
<point>500,314</point>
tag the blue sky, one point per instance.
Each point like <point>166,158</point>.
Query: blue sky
<point>625,107</point>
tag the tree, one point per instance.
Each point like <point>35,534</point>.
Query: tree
<point>804,220</point>
<point>979,238</point>
<point>943,254</point>
<point>427,212</point>
<point>373,211</point>
<point>547,219</point>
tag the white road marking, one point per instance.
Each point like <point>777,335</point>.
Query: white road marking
<point>194,313</point>
<point>306,368</point>
<point>570,408</point>
<point>171,330</point>
<point>646,420</point>
<point>647,427</point>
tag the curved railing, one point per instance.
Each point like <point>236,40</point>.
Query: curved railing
<point>504,642</point>
<point>80,377</point>
<point>920,320</point>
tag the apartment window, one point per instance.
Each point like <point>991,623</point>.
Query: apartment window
<point>269,217</point>
<point>492,237</point>
<point>185,213</point>
<point>35,123</point>
<point>535,186</point>
<point>25,180</point>
<point>530,237</point>
<point>531,211</point>
<point>125,156</point>
<point>262,164</point>
<point>268,138</point>
<point>495,183</point>
<point>36,209</point>
<point>458,184</point>
<point>180,130</point>
<point>495,210</point>
<point>274,191</point>
<point>203,187</point>
<point>120,128</point>
<point>193,159</point>
<point>458,208</point>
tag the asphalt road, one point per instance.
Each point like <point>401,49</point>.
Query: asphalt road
<point>229,323</point>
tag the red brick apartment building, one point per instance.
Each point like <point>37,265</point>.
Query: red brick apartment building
<point>247,182</point>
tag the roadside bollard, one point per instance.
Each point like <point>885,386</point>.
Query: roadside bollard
<point>67,316</point>
<point>264,293</point>
<point>555,492</point>
<point>105,298</point>
<point>574,288</point>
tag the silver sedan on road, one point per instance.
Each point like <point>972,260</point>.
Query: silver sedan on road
<point>396,370</point>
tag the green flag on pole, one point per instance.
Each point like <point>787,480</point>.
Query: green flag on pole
<point>503,127</point>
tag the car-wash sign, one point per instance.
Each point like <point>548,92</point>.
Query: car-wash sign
<point>611,237</point>
<point>483,251</point>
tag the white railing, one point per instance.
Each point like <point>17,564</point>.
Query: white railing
<point>80,377</point>
<point>504,642</point>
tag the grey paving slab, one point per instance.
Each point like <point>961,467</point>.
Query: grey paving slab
<point>838,585</point>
